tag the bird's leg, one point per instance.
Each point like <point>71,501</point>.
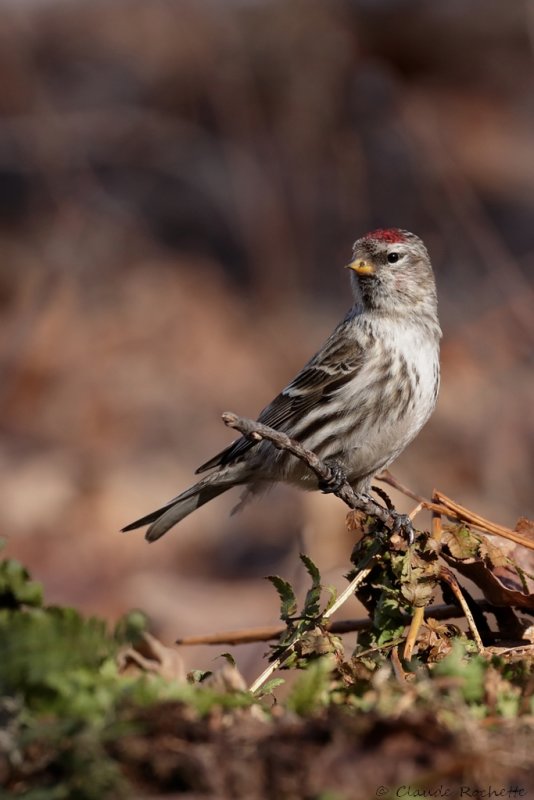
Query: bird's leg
<point>401,522</point>
<point>337,477</point>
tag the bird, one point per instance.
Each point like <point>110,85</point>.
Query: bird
<point>358,402</point>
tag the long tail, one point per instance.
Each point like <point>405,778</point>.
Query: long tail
<point>162,519</point>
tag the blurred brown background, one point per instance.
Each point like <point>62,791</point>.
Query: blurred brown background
<point>180,185</point>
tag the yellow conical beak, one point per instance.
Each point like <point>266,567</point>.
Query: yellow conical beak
<point>361,267</point>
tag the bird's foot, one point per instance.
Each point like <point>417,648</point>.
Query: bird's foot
<point>336,480</point>
<point>402,524</point>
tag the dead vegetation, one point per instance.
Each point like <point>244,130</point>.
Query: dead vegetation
<point>420,700</point>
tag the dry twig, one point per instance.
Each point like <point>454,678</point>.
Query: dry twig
<point>256,431</point>
<point>449,578</point>
<point>268,632</point>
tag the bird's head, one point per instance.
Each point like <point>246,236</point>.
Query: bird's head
<point>391,272</point>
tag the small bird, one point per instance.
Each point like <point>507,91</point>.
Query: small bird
<point>359,401</point>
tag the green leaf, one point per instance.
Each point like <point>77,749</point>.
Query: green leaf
<point>228,657</point>
<point>332,592</point>
<point>268,687</point>
<point>288,601</point>
<point>312,569</point>
<point>313,595</point>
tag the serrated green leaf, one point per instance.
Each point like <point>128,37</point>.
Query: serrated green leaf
<point>313,595</point>
<point>288,601</point>
<point>387,618</point>
<point>312,569</point>
<point>312,603</point>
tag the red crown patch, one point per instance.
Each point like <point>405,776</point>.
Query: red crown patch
<point>389,235</point>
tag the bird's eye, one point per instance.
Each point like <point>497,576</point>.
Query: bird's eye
<point>393,257</point>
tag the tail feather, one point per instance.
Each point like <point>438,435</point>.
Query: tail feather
<point>147,519</point>
<point>162,519</point>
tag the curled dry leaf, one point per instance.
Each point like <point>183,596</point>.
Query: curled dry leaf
<point>522,559</point>
<point>150,655</point>
<point>436,638</point>
<point>483,562</point>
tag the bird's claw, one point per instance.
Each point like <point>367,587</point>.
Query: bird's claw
<point>336,479</point>
<point>402,524</point>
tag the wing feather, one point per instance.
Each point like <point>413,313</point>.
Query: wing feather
<point>321,378</point>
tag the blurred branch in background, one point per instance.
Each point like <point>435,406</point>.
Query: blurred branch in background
<point>180,185</point>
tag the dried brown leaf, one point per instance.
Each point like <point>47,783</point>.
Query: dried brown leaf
<point>436,638</point>
<point>226,679</point>
<point>523,558</point>
<point>492,570</point>
<point>492,553</point>
<point>359,524</point>
<point>418,593</point>
<point>150,655</point>
<point>491,585</point>
<point>461,541</point>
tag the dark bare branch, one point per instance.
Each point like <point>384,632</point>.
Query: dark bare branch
<point>256,431</point>
<point>338,627</point>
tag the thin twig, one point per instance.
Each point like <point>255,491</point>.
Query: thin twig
<point>267,633</point>
<point>256,431</point>
<point>415,511</point>
<point>348,592</point>
<point>449,578</point>
<point>480,522</point>
<point>437,525</point>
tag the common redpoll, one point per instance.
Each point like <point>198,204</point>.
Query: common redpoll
<point>359,401</point>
